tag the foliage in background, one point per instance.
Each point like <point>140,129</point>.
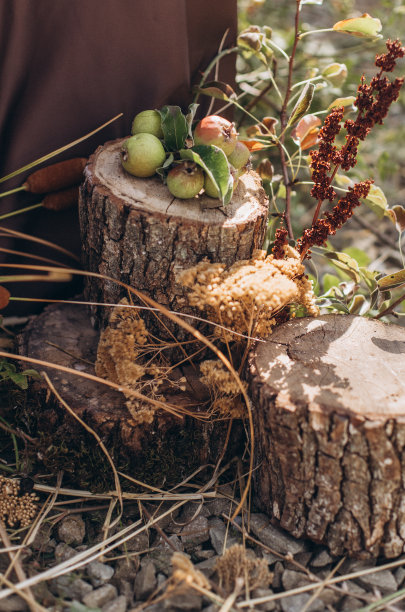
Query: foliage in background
<point>329,61</point>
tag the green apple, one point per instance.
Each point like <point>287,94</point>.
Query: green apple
<point>147,122</point>
<point>142,154</point>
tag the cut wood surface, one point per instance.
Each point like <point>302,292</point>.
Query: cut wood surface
<point>134,230</point>
<point>169,447</point>
<point>329,414</point>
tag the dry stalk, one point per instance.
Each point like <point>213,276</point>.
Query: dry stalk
<point>99,442</point>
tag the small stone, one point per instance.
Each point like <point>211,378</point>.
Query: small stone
<point>162,554</point>
<point>70,587</point>
<point>196,532</point>
<point>116,605</point>
<point>291,579</point>
<point>125,569</point>
<point>202,554</point>
<point>13,604</point>
<point>191,511</point>
<point>187,600</point>
<point>296,603</point>
<point>383,580</point>
<point>72,529</point>
<point>220,505</point>
<point>269,557</point>
<point>356,565</point>
<point>321,559</point>
<point>274,537</point>
<point>137,543</point>
<point>329,597</point>
<point>350,604</point>
<point>166,520</point>
<point>63,552</point>
<point>42,541</point>
<point>266,606</point>
<point>101,596</point>
<point>399,576</point>
<point>207,567</point>
<point>220,539</point>
<point>126,589</point>
<point>277,573</point>
<point>99,573</point>
<point>145,581</point>
<point>352,588</point>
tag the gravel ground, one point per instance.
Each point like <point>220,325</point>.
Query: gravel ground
<point>136,575</point>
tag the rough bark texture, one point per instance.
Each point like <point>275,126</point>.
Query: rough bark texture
<point>134,230</point>
<point>169,447</point>
<point>329,412</point>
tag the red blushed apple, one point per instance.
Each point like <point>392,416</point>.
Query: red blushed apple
<point>215,130</point>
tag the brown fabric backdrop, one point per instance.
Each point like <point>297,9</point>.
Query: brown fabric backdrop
<point>67,66</point>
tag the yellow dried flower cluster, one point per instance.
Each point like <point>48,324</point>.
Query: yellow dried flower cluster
<point>16,509</point>
<point>236,564</point>
<point>225,391</point>
<point>246,296</point>
<point>185,574</point>
<point>121,356</point>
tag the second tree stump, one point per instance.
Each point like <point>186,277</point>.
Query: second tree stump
<point>329,414</point>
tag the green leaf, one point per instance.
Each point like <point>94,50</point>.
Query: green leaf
<point>329,281</point>
<point>19,379</point>
<point>391,281</point>
<point>346,263</point>
<point>214,162</point>
<point>359,255</point>
<point>192,109</point>
<point>303,104</point>
<point>174,126</point>
<point>332,304</point>
<point>342,180</point>
<point>218,90</point>
<point>364,26</point>
<point>253,41</point>
<point>162,171</point>
<point>359,305</point>
<point>32,373</point>
<point>376,201</point>
<point>335,73</point>
<point>348,101</point>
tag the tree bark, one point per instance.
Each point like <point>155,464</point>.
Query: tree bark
<point>329,414</point>
<point>135,231</point>
<point>169,447</point>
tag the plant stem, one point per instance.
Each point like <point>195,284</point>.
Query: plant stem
<point>21,210</point>
<point>45,158</point>
<point>211,65</point>
<point>391,307</point>
<point>283,124</point>
<point>10,191</point>
<point>303,34</point>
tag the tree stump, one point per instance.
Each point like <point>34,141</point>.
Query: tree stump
<point>167,449</point>
<point>135,231</point>
<point>329,414</point>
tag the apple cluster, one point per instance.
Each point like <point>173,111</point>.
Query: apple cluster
<point>144,153</point>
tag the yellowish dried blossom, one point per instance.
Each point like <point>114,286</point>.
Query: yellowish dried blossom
<point>225,390</point>
<point>239,564</point>
<point>246,296</point>
<point>120,358</point>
